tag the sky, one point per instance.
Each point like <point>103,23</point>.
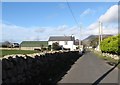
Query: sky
<point>23,21</point>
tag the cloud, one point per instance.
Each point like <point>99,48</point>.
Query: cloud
<point>40,30</point>
<point>62,28</point>
<point>87,12</point>
<point>51,16</point>
<point>93,29</point>
<point>0,31</point>
<point>109,21</point>
<point>62,6</point>
<point>93,26</point>
<point>15,33</point>
<point>111,16</point>
<point>18,34</point>
<point>106,29</point>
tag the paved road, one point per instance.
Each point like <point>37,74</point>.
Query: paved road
<point>0,72</point>
<point>90,68</point>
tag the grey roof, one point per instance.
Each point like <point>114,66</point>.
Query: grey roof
<point>61,38</point>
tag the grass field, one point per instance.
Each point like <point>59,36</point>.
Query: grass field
<point>10,52</point>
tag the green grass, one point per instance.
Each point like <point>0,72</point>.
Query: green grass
<point>107,58</point>
<point>10,52</point>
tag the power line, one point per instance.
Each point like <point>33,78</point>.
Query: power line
<point>72,13</point>
<point>73,18</point>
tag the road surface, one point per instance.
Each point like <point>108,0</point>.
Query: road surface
<point>0,72</point>
<point>91,69</point>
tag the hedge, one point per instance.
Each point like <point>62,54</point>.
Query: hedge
<point>111,45</point>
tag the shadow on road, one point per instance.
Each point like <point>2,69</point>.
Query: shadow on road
<point>104,75</point>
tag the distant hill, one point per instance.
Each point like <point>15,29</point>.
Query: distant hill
<point>92,40</point>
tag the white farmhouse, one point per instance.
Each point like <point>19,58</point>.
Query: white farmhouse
<point>67,42</point>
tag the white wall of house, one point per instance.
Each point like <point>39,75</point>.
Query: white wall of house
<point>65,44</point>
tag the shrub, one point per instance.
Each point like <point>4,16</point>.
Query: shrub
<point>55,46</point>
<point>111,45</point>
<point>49,47</point>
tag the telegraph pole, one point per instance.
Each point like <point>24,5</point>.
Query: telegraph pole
<point>100,34</point>
<point>80,38</point>
<point>101,26</point>
<point>99,37</point>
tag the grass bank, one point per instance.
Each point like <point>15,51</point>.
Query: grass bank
<point>108,59</point>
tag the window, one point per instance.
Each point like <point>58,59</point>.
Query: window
<point>66,43</point>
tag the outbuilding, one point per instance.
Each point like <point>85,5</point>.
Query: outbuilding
<point>32,45</point>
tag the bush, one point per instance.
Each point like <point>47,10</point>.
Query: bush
<point>55,46</point>
<point>111,45</point>
<point>49,47</point>
<point>43,49</point>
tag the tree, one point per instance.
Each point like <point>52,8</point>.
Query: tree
<point>55,46</point>
<point>49,47</point>
<point>94,43</point>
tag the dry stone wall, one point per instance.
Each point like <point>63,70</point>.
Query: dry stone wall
<point>114,56</point>
<point>37,70</point>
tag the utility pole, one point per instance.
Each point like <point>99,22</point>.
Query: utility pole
<point>101,26</point>
<point>100,34</point>
<point>72,36</point>
<point>80,39</point>
<point>99,37</point>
